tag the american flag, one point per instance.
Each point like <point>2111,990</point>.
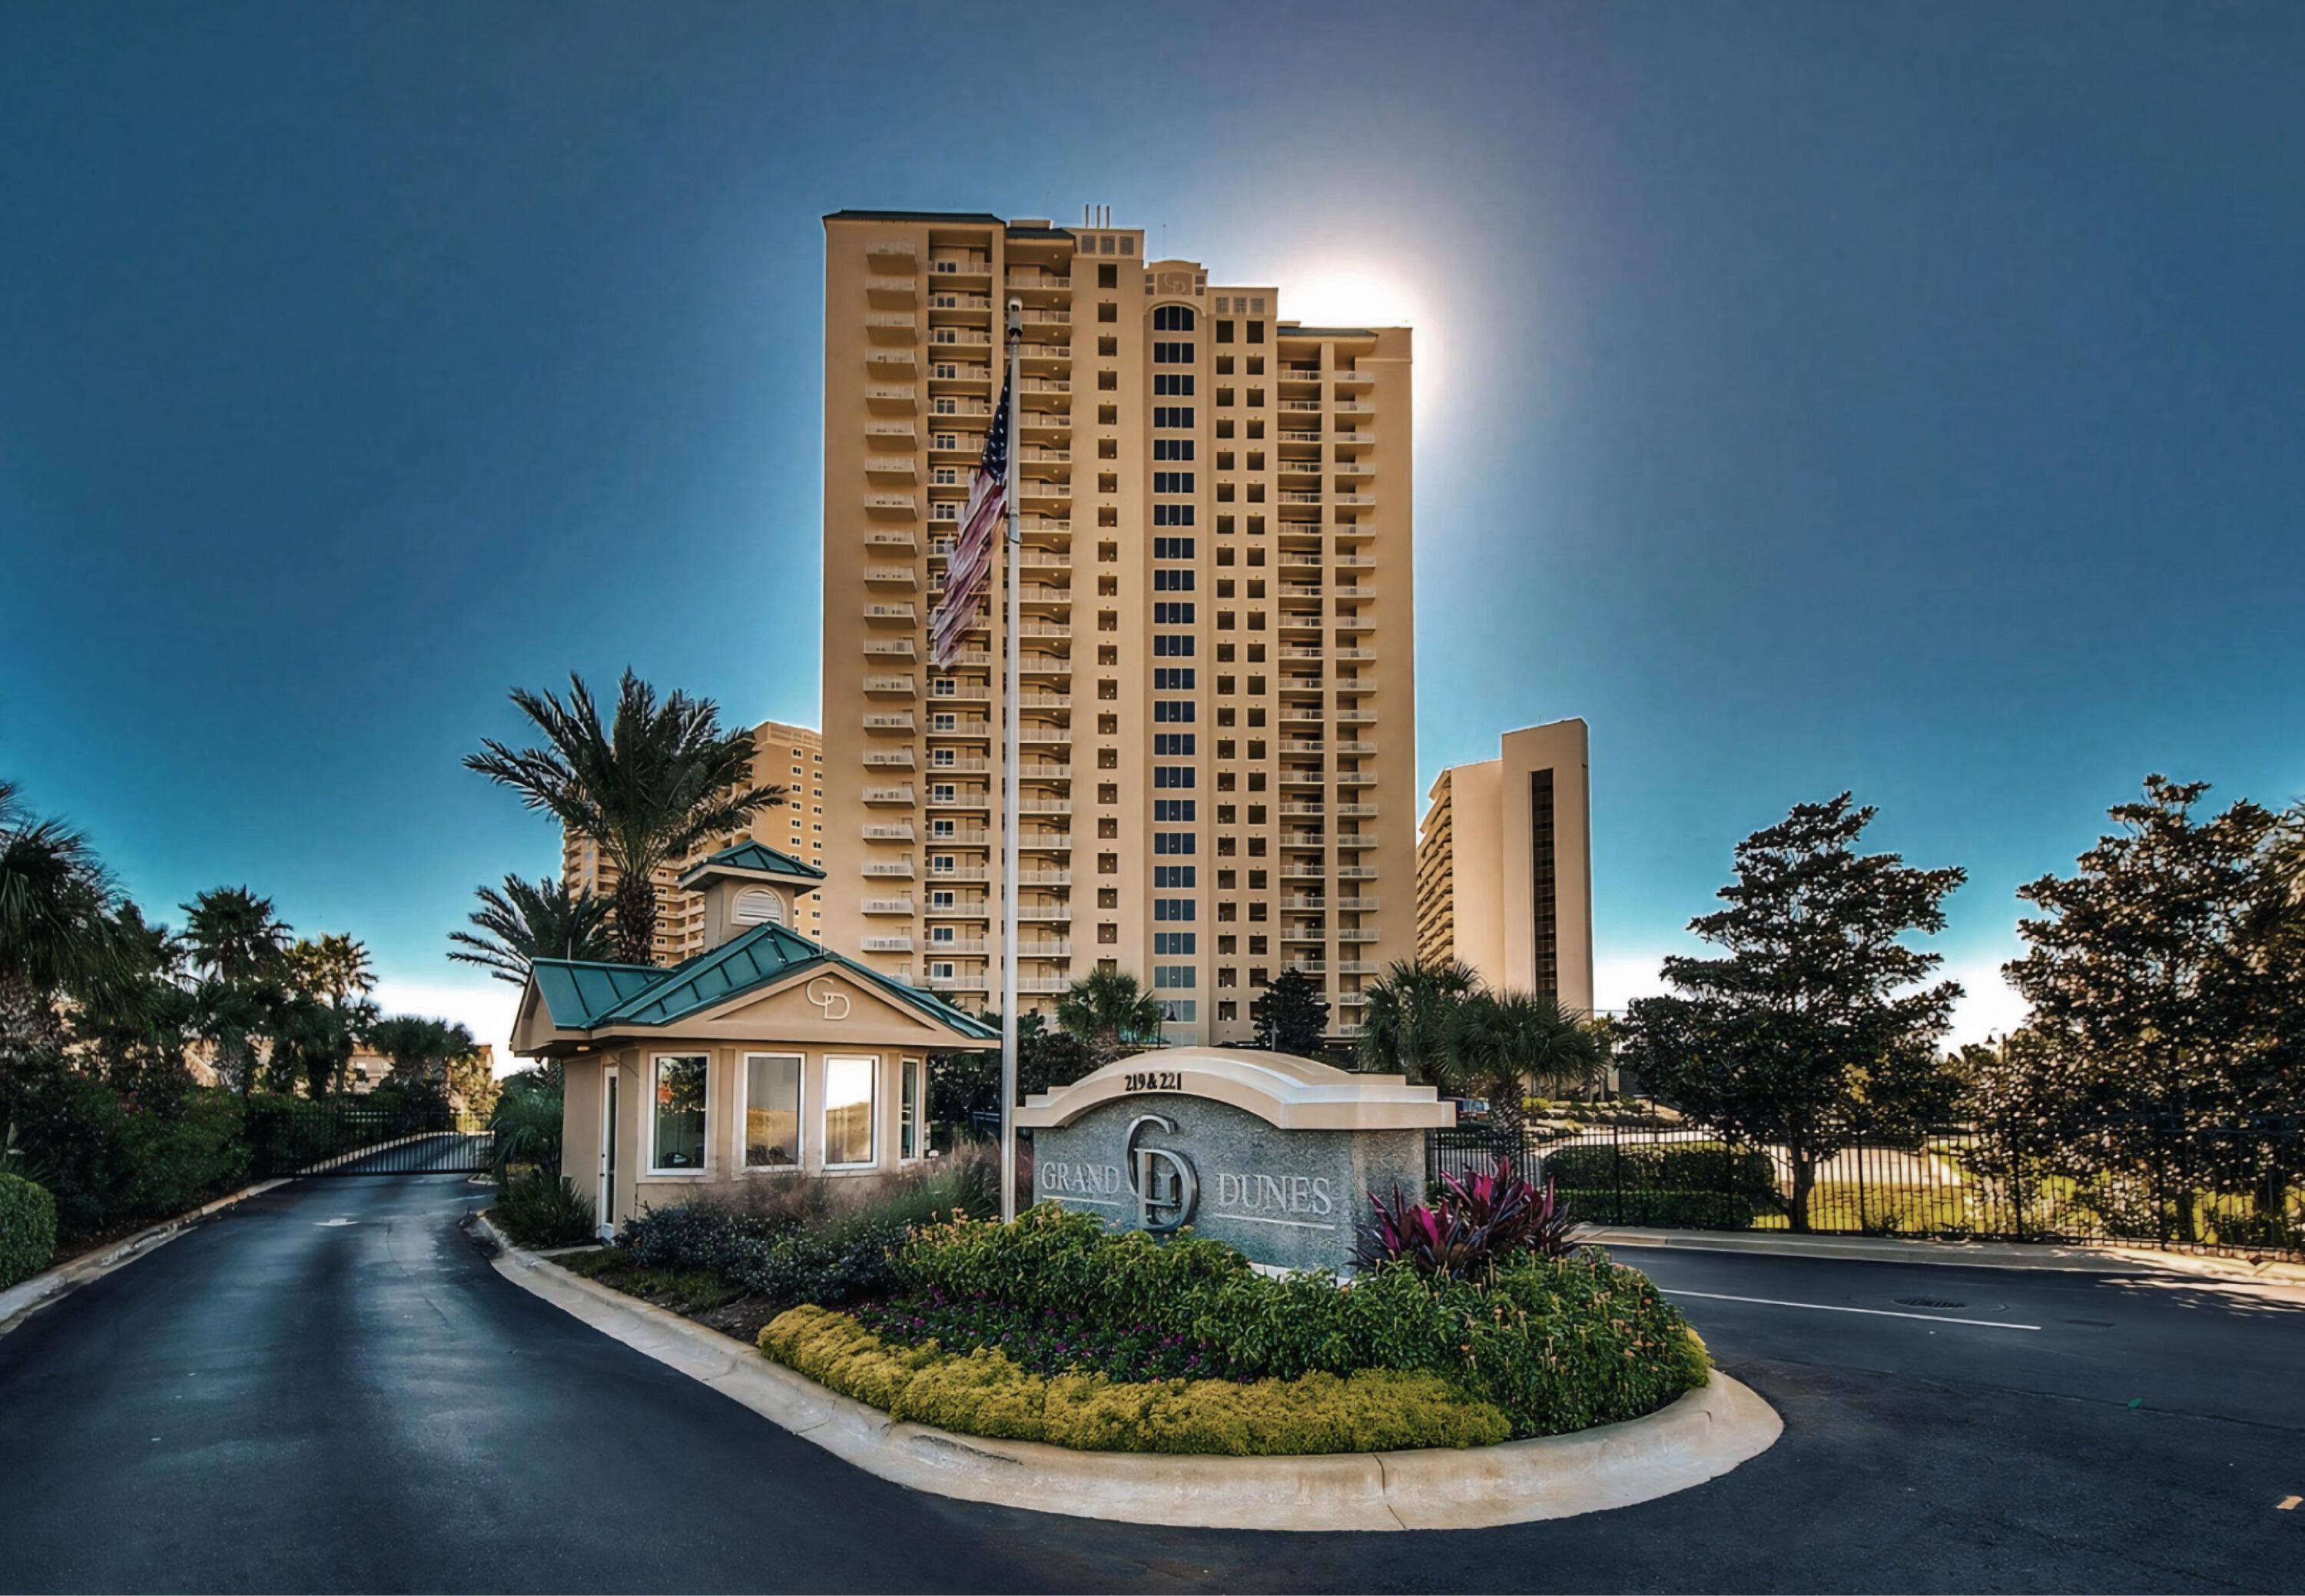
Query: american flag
<point>971,563</point>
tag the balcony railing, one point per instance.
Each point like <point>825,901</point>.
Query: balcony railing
<point>888,905</point>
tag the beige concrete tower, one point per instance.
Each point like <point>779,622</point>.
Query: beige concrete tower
<point>788,756</point>
<point>1504,868</point>
<point>1218,687</point>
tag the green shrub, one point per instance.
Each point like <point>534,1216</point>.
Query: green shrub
<point>982,1393</point>
<point>1556,1344</point>
<point>112,1164</point>
<point>1665,1210</point>
<point>540,1208</point>
<point>27,1229</point>
<point>1665,1165</point>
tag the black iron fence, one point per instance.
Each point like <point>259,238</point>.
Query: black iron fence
<point>2148,1180</point>
<point>351,1135</point>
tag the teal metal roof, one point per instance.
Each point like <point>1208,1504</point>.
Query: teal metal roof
<point>577,993</point>
<point>761,856</point>
<point>587,996</point>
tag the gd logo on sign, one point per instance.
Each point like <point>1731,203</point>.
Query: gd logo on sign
<point>1168,1189</point>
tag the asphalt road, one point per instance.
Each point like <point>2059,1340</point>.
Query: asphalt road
<point>327,1388</point>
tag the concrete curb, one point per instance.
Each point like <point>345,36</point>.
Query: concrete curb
<point>1967,1255</point>
<point>20,1301</point>
<point>1703,1435</point>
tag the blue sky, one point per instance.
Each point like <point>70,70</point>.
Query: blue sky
<point>1896,397</point>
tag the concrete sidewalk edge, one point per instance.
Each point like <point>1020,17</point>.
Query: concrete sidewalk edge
<point>27,1297</point>
<point>1703,1435</point>
<point>1970,1255</point>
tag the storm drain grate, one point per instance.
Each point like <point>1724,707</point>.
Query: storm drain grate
<point>1929,1302</point>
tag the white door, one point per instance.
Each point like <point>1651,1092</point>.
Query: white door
<point>607,1210</point>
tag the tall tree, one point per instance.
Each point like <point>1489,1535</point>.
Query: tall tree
<point>421,1049</point>
<point>1111,1014</point>
<point>2162,981</point>
<point>647,789</point>
<point>58,932</point>
<point>1405,1022</point>
<point>1496,1044</point>
<point>1809,1028</point>
<point>1291,1015</point>
<point>526,922</point>
<point>233,935</point>
<point>334,969</point>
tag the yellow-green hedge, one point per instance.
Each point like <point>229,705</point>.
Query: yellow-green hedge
<point>983,1394</point>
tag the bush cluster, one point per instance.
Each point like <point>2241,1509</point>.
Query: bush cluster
<point>27,1229</point>
<point>1556,1343</point>
<point>112,1161</point>
<point>539,1207</point>
<point>1665,1210</point>
<point>1666,1167</point>
<point>1043,1341</point>
<point>982,1392</point>
<point>794,1239</point>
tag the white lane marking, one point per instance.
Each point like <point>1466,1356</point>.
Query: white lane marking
<point>332,1223</point>
<point>1934,1318</point>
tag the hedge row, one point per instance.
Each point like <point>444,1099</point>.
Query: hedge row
<point>1665,1166</point>
<point>27,1229</point>
<point>1667,1210</point>
<point>982,1393</point>
<point>1558,1344</point>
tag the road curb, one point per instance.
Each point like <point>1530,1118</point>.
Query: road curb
<point>1966,1255</point>
<point>20,1301</point>
<point>1703,1435</point>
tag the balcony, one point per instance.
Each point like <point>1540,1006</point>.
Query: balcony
<point>1047,315</point>
<point>892,542</point>
<point>886,869</point>
<point>891,293</point>
<point>1359,905</point>
<point>959,837</point>
<point>1304,933</point>
<point>1358,967</point>
<point>889,795</point>
<point>1358,811</point>
<point>1044,841</point>
<point>1050,913</point>
<point>1356,936</point>
<point>1344,591</point>
<point>1045,985</point>
<point>889,758</point>
<point>886,906</point>
<point>1025,805</point>
<point>1357,873</point>
<point>960,301</point>
<point>1044,949</point>
<point>961,872</point>
<point>1036,280</point>
<point>1044,878</point>
<point>897,506</point>
<point>889,832</point>
<point>891,329</point>
<point>891,614</point>
<point>950,265</point>
<point>890,720</point>
<point>885,944</point>
<point>892,254</point>
<point>1303,811</point>
<point>1355,778</point>
<point>891,575</point>
<point>967,908</point>
<point>890,399</point>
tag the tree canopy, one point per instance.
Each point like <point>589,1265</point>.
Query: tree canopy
<point>528,921</point>
<point>1816,1024</point>
<point>1291,1015</point>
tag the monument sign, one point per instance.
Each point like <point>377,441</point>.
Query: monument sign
<point>1274,1154</point>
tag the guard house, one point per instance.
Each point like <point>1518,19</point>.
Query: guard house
<point>765,1053</point>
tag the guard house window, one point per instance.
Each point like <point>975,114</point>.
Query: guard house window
<point>1173,385</point>
<point>908,1109</point>
<point>771,1111</point>
<point>1173,319</point>
<point>848,1112</point>
<point>677,1114</point>
<point>1172,449</point>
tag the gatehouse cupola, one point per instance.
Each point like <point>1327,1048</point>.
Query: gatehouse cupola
<point>747,886</point>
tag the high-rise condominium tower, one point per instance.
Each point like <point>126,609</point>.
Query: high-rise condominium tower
<point>1217,689</point>
<point>788,756</point>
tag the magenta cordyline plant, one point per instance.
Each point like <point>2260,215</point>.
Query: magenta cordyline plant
<point>1474,1224</point>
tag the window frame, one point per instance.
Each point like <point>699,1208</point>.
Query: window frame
<point>657,1060</point>
<point>744,1092</point>
<point>871,1061</point>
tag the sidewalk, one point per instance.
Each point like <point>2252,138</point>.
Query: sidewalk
<point>1974,1255</point>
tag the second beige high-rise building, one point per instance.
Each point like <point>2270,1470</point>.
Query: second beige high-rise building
<point>1218,750</point>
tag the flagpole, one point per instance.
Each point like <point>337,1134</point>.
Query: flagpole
<point>1009,806</point>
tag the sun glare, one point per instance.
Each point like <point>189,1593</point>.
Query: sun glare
<point>1351,296</point>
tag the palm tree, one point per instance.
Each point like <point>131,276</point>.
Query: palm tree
<point>1405,1022</point>
<point>648,789</point>
<point>58,909</point>
<point>421,1049</point>
<point>1108,1013</point>
<point>1494,1044</point>
<point>526,922</point>
<point>233,935</point>
<point>334,969</point>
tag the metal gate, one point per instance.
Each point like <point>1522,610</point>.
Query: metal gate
<point>356,1136</point>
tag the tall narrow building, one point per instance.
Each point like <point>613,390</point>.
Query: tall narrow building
<point>787,756</point>
<point>1218,666</point>
<point>1504,868</point>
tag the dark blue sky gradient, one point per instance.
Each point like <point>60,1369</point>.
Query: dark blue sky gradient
<point>1902,398</point>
